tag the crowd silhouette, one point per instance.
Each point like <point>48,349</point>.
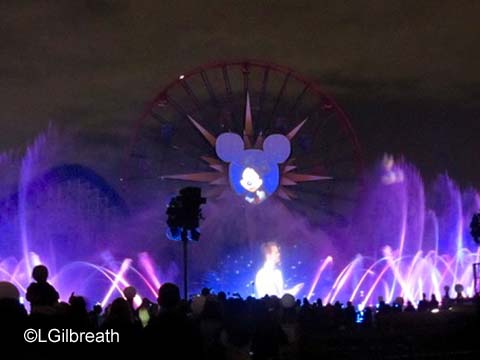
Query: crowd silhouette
<point>216,326</point>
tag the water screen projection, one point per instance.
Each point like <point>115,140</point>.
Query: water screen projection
<point>279,164</point>
<point>269,279</point>
<point>253,173</point>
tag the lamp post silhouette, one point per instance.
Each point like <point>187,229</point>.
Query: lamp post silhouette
<point>184,215</point>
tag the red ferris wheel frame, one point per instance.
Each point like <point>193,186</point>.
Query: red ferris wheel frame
<point>245,65</point>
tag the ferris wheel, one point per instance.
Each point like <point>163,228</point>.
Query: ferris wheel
<point>250,104</point>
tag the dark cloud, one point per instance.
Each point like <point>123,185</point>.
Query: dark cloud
<point>406,72</point>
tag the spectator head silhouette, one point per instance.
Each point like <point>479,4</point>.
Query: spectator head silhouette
<point>146,303</point>
<point>222,296</point>
<point>399,300</point>
<point>120,311</point>
<point>8,291</point>
<point>129,292</point>
<point>459,289</point>
<point>41,295</point>
<point>97,309</point>
<point>288,301</point>
<point>40,273</point>
<point>168,295</point>
<point>205,291</point>
<point>77,303</point>
<point>197,304</point>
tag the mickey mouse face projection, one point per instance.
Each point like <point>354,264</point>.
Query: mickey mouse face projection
<point>251,181</point>
<point>253,173</point>
<point>252,163</point>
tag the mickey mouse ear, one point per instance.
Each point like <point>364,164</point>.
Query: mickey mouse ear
<point>229,146</point>
<point>277,148</point>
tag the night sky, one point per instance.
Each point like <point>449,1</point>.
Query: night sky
<point>406,72</point>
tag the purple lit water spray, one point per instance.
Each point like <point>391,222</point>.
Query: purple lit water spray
<point>403,239</point>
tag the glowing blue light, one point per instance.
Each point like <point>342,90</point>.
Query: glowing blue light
<point>175,234</point>
<point>253,173</point>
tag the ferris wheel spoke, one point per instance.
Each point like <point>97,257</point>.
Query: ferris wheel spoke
<point>263,90</point>
<point>176,106</point>
<point>159,117</point>
<point>321,123</point>
<point>280,94</point>
<point>209,87</point>
<point>298,99</point>
<point>246,73</point>
<point>226,80</point>
<point>190,93</point>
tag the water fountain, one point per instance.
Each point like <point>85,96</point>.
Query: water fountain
<point>395,237</point>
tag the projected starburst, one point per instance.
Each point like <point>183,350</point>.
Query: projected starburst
<point>289,177</point>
